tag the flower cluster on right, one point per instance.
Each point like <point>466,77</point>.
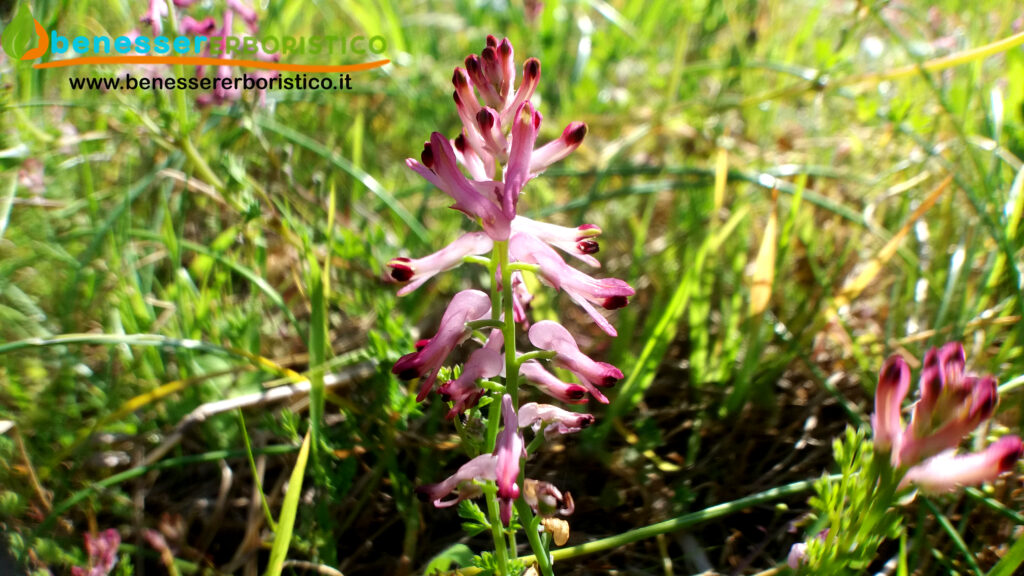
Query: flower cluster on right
<point>953,402</point>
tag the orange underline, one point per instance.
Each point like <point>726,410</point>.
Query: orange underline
<point>204,61</point>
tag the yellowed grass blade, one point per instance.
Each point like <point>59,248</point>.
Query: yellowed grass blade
<point>764,264</point>
<point>853,288</point>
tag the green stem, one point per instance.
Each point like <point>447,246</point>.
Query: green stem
<point>509,329</point>
<point>494,516</point>
<point>540,554</point>
<point>494,418</point>
<point>535,355</point>
<point>681,522</point>
<point>486,323</point>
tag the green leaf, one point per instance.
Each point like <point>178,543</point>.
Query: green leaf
<point>458,554</point>
<point>289,510</point>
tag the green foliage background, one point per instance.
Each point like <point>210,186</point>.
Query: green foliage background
<point>125,268</point>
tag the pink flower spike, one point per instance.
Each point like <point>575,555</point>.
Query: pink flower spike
<point>440,168</point>
<point>549,335</point>
<point>509,449</point>
<point>893,385</point>
<point>463,391</point>
<point>578,242</point>
<point>418,271</point>
<point>465,306</point>
<point>945,472</point>
<point>551,385</point>
<point>554,419</point>
<point>556,150</point>
<point>483,467</point>
<point>517,172</point>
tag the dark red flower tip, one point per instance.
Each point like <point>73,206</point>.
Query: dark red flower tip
<point>459,78</point>
<point>445,397</point>
<point>427,156</point>
<point>422,343</point>
<point>460,142</point>
<point>892,373</point>
<point>574,133</point>
<point>986,396</point>
<point>589,227</point>
<point>615,302</point>
<point>1014,451</point>
<point>485,119</point>
<point>488,54</point>
<point>492,41</point>
<point>585,420</point>
<point>505,49</point>
<point>472,65</point>
<point>575,392</point>
<point>531,69</point>
<point>401,270</point>
<point>408,374</point>
<point>609,381</point>
<point>588,246</point>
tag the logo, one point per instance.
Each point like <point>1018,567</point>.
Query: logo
<point>22,34</point>
<point>25,39</point>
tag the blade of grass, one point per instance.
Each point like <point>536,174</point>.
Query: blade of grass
<point>246,273</point>
<point>255,472</point>
<point>764,265</point>
<point>120,477</point>
<point>684,521</point>
<point>289,510</point>
<point>1013,560</point>
<point>853,288</point>
<point>369,181</point>
<point>954,536</point>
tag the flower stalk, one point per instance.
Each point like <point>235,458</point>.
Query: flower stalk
<point>484,169</point>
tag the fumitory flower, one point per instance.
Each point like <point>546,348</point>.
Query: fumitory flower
<point>551,385</point>
<point>478,201</point>
<point>578,242</point>
<point>953,402</point>
<point>501,467</point>
<point>554,419</point>
<point>584,290</point>
<point>102,552</point>
<point>485,362</point>
<point>418,271</point>
<point>465,306</point>
<point>945,472</point>
<point>550,335</point>
<point>509,449</point>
